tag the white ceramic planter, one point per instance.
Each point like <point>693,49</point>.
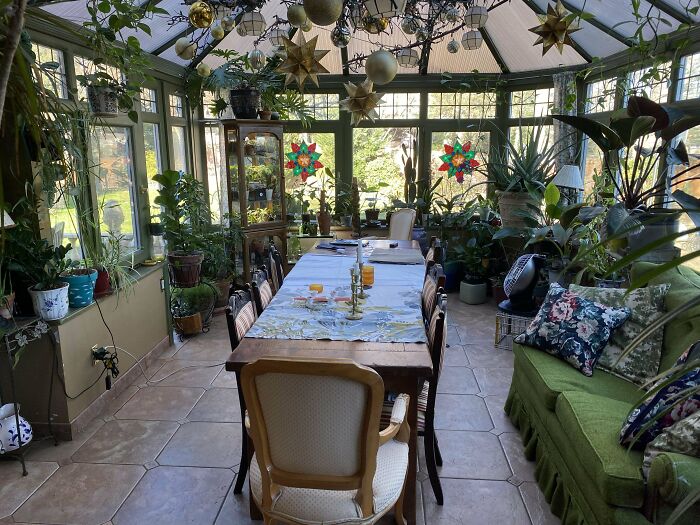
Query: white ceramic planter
<point>9,436</point>
<point>472,293</point>
<point>50,305</point>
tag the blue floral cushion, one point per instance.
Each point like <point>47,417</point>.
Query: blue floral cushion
<point>573,328</point>
<point>666,404</point>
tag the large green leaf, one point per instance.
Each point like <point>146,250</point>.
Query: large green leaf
<point>569,214</point>
<point>679,126</point>
<point>641,106</point>
<point>690,205</point>
<point>633,128</point>
<point>551,195</point>
<point>604,137</point>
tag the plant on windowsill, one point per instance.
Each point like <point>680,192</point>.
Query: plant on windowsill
<point>184,215</point>
<point>114,275</point>
<point>474,255</point>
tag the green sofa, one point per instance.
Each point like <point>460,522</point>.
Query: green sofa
<point>570,425</point>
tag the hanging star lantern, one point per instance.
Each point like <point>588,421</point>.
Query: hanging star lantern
<point>303,160</point>
<point>302,61</point>
<point>458,160</point>
<point>362,102</point>
<point>555,28</point>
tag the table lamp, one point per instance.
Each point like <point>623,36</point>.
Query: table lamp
<point>7,221</point>
<point>568,179</point>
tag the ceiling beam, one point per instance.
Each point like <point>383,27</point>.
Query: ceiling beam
<point>599,25</point>
<point>577,47</point>
<point>671,11</point>
<point>344,59</point>
<point>494,50</point>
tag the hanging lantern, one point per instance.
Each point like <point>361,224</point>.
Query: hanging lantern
<point>323,12</point>
<point>340,36</point>
<point>252,24</point>
<point>476,16</point>
<point>257,59</point>
<point>203,70</point>
<point>410,24</point>
<point>307,26</point>
<point>450,14</point>
<point>408,57</point>
<point>217,31</point>
<point>381,67</point>
<point>185,49</point>
<point>276,35</point>
<point>201,14</point>
<point>228,23</point>
<point>422,34</point>
<point>357,13</point>
<point>296,15</point>
<point>452,46</point>
<point>374,25</point>
<point>385,8</point>
<point>472,39</point>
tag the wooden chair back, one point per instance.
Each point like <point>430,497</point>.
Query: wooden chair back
<point>437,335</point>
<point>401,224</point>
<point>261,289</point>
<point>240,316</point>
<point>315,424</point>
<point>434,280</point>
<point>434,254</point>
<point>276,269</point>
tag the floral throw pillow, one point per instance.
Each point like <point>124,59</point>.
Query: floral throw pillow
<point>665,405</point>
<point>573,328</point>
<point>646,305</point>
<point>682,437</point>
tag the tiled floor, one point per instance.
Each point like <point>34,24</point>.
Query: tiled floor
<point>168,452</point>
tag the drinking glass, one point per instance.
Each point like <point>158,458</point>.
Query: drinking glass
<point>367,275</point>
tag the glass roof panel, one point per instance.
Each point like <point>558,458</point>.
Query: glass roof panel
<point>682,7</point>
<point>608,12</point>
<point>464,61</point>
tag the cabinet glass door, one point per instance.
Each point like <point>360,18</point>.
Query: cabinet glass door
<point>261,154</point>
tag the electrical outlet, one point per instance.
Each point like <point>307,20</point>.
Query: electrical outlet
<point>95,361</point>
<point>162,284</point>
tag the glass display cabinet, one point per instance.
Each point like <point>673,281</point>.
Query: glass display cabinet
<point>255,185</point>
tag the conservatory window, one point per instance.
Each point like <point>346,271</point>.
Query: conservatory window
<point>53,69</point>
<point>207,99</point>
<point>324,106</point>
<point>179,148</point>
<point>176,106</point>
<point>85,66</point>
<point>216,178</point>
<point>531,103</point>
<point>690,243</point>
<point>461,105</point>
<point>652,82</point>
<point>474,183</point>
<point>149,100</point>
<point>689,81</point>
<point>151,142</point>
<point>399,106</point>
<point>600,95</point>
<point>592,167</point>
<point>297,191</point>
<point>63,217</point>
<point>112,154</point>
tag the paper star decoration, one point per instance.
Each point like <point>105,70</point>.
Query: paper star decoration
<point>302,61</point>
<point>458,160</point>
<point>362,102</point>
<point>555,28</point>
<point>303,160</point>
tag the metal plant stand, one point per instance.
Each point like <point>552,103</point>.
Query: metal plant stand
<point>207,314</point>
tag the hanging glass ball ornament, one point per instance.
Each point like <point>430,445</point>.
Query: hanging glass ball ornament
<point>201,14</point>
<point>340,36</point>
<point>203,70</point>
<point>228,23</point>
<point>257,59</point>
<point>450,14</point>
<point>307,26</point>
<point>357,13</point>
<point>410,24</point>
<point>381,67</point>
<point>185,49</point>
<point>296,15</point>
<point>217,31</point>
<point>374,25</point>
<point>408,57</point>
<point>453,46</point>
<point>422,34</point>
<point>323,12</point>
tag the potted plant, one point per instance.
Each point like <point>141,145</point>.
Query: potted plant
<point>219,265</point>
<point>184,215</point>
<point>49,292</point>
<point>372,213</point>
<point>641,162</point>
<point>474,255</point>
<point>113,274</point>
<point>520,172</point>
<point>186,318</point>
<point>81,285</point>
<point>497,291</point>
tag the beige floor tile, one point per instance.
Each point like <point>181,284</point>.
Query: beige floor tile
<point>179,372</point>
<point>470,502</point>
<point>457,380</point>
<point>501,421</point>
<point>127,442</point>
<point>160,403</point>
<point>207,347</point>
<point>201,444</point>
<point>225,379</point>
<point>217,404</point>
<point>494,381</point>
<point>472,455</point>
<point>512,444</point>
<point>15,489</point>
<point>488,357</point>
<point>459,412</point>
<point>236,510</point>
<point>81,493</point>
<point>455,356</point>
<point>536,505</point>
<point>117,403</point>
<point>176,495</point>
<point>46,450</point>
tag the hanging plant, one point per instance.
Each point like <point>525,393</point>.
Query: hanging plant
<point>303,160</point>
<point>458,160</point>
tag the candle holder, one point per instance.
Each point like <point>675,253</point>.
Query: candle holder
<point>355,312</point>
<point>362,294</point>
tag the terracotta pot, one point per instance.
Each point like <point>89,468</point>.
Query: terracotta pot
<point>224,285</point>
<point>102,284</point>
<point>265,114</point>
<point>188,325</point>
<point>510,203</point>
<point>184,269</point>
<point>324,222</point>
<point>7,304</point>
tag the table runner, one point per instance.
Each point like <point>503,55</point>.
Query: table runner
<point>391,313</point>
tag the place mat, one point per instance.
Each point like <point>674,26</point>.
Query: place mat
<point>396,256</point>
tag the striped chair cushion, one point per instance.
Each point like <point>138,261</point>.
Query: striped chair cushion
<point>430,256</point>
<point>244,320</point>
<point>432,336</point>
<point>422,407</point>
<point>265,294</point>
<point>429,297</point>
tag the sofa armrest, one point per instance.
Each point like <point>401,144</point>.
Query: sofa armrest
<point>673,476</point>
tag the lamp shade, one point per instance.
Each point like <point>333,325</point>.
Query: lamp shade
<point>476,16</point>
<point>7,221</point>
<point>385,8</point>
<point>472,39</point>
<point>569,176</point>
<point>252,24</point>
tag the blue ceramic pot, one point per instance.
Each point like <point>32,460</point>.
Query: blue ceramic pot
<point>81,287</point>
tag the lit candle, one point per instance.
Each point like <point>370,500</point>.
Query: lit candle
<point>359,251</point>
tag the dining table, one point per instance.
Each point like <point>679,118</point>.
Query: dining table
<point>390,338</point>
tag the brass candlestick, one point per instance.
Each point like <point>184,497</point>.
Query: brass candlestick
<point>362,294</point>
<point>355,313</point>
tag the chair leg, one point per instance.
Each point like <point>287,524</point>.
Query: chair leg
<point>398,508</point>
<point>429,442</point>
<point>438,455</point>
<point>243,465</point>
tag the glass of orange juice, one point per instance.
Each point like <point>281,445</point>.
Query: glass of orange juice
<point>316,287</point>
<point>367,275</point>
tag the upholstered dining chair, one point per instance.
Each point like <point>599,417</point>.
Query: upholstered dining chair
<point>433,254</point>
<point>261,289</point>
<point>240,316</point>
<point>320,457</point>
<point>401,224</point>
<point>426,400</point>
<point>434,281</point>
<point>276,269</point>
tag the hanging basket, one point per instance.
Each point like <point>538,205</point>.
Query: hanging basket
<point>103,101</point>
<point>184,269</point>
<point>245,103</point>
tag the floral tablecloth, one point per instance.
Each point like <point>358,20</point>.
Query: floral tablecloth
<point>391,313</point>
